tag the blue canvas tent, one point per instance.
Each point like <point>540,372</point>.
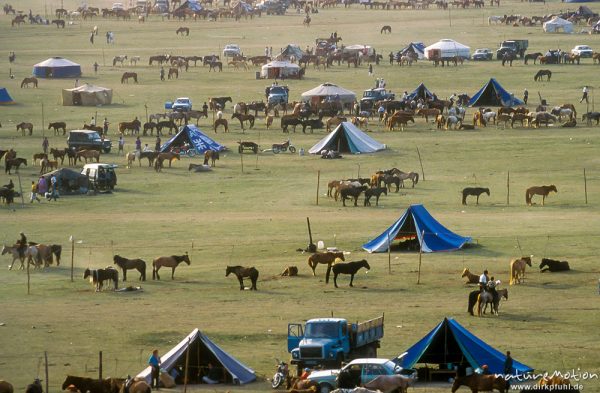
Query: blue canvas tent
<point>192,135</point>
<point>347,138</point>
<point>420,92</point>
<point>493,94</point>
<point>449,342</point>
<point>5,98</point>
<point>201,352</point>
<point>417,225</point>
<point>418,48</point>
<point>57,67</point>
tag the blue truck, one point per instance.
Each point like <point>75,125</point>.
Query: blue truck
<point>328,342</point>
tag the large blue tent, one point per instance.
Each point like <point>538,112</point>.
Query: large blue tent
<point>421,92</point>
<point>493,94</point>
<point>347,138</point>
<point>5,98</point>
<point>57,67</point>
<point>417,224</point>
<point>192,135</point>
<point>450,342</point>
<point>200,351</point>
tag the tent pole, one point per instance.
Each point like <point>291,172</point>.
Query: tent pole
<point>187,363</point>
<point>318,181</point>
<point>420,254</point>
<point>421,162</point>
<point>389,254</point>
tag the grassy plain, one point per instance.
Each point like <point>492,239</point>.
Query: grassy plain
<point>258,217</point>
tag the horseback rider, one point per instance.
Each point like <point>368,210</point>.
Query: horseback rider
<point>491,288</point>
<point>483,280</point>
<point>22,245</point>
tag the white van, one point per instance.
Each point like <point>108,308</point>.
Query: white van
<point>100,176</point>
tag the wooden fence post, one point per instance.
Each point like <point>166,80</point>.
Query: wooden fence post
<point>318,181</point>
<point>46,369</point>
<point>585,186</point>
<point>508,188</point>
<point>421,162</point>
<point>100,366</point>
<point>420,254</point>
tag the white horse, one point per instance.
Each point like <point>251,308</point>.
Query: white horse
<point>494,18</point>
<point>32,255</point>
<point>453,122</point>
<point>119,59</point>
<point>15,254</point>
<point>237,108</point>
<point>560,112</point>
<point>457,111</point>
<point>219,115</point>
<point>488,116</point>
<point>133,60</point>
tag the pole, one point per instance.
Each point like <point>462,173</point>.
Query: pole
<point>28,278</point>
<point>43,126</point>
<point>318,181</point>
<point>358,174</point>
<point>242,161</point>
<point>389,254</point>
<point>21,190</point>
<point>72,255</point>
<point>146,106</point>
<point>508,188</point>
<point>46,369</point>
<point>420,254</point>
<point>103,59</point>
<point>421,162</point>
<point>187,363</point>
<point>585,186</point>
<point>100,366</point>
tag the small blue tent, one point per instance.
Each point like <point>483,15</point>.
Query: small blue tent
<point>418,48</point>
<point>192,135</point>
<point>493,94</point>
<point>449,342</point>
<point>417,224</point>
<point>347,138</point>
<point>57,67</point>
<point>420,92</point>
<point>201,352</point>
<point>5,98</point>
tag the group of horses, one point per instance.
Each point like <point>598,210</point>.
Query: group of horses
<point>36,254</point>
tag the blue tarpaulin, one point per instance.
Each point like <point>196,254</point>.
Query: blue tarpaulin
<point>416,222</point>
<point>493,94</point>
<point>420,92</point>
<point>5,98</point>
<point>450,342</point>
<point>201,352</point>
<point>347,138</point>
<point>192,135</point>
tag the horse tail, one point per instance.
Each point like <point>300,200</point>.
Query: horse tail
<point>512,273</point>
<point>464,197</point>
<point>479,305</point>
<point>527,197</point>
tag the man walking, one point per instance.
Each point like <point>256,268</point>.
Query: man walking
<point>154,362</point>
<point>585,95</point>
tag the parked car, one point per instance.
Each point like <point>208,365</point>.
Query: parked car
<point>117,7</point>
<point>231,50</point>
<point>365,370</point>
<point>278,95</point>
<point>582,51</point>
<point>483,54</point>
<point>161,6</point>
<point>181,104</point>
<point>100,176</point>
<point>87,139</point>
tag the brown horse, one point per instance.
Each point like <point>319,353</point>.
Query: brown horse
<point>59,23</point>
<point>539,190</point>
<point>59,125</point>
<point>170,156</point>
<point>87,154</point>
<point>59,153</point>
<point>517,269</point>
<point>14,163</point>
<point>211,155</point>
<point>471,278</point>
<point>386,29</point>
<point>221,122</point>
<point>182,30</point>
<point>324,258</point>
<point>133,126</point>
<point>173,261</point>
<point>127,75</point>
<point>38,156</point>
<point>241,272</point>
<point>480,383</point>
<point>126,264</point>
<point>244,118</point>
<point>6,387</point>
<point>25,126</point>
<point>26,81</point>
<point>173,73</point>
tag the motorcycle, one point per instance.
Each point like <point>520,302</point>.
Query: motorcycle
<point>185,150</point>
<point>281,374</point>
<point>282,147</point>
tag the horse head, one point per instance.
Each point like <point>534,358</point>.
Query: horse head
<point>365,264</point>
<point>228,271</point>
<point>542,264</point>
<point>465,272</point>
<point>86,274</point>
<point>527,260</point>
<point>553,188</point>
<point>186,258</point>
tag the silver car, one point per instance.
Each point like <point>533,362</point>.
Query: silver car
<point>582,51</point>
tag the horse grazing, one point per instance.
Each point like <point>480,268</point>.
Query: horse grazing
<point>324,258</point>
<point>182,30</point>
<point>539,190</point>
<point>243,118</point>
<point>348,268</point>
<point>475,191</point>
<point>83,384</point>
<point>14,163</point>
<point>480,383</point>
<point>35,387</point>
<point>6,387</point>
<point>127,75</point>
<point>25,126</point>
<point>173,261</point>
<point>390,383</point>
<point>540,75</point>
<point>471,278</point>
<point>14,251</point>
<point>386,29</point>
<point>126,264</point>
<point>59,125</point>
<point>119,59</point>
<point>211,155</point>
<point>552,265</point>
<point>98,276</point>
<point>376,192</point>
<point>517,269</point>
<point>26,81</point>
<point>241,272</point>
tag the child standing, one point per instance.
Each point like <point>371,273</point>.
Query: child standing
<point>34,190</point>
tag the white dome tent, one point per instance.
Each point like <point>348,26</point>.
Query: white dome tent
<point>558,25</point>
<point>447,48</point>
<point>280,70</point>
<point>327,91</point>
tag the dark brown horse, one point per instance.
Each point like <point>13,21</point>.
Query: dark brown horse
<point>244,118</point>
<point>214,65</point>
<point>348,268</point>
<point>98,276</point>
<point>386,29</point>
<point>211,155</point>
<point>218,103</point>
<point>324,258</point>
<point>374,192</point>
<point>241,272</point>
<point>84,384</point>
<point>26,81</point>
<point>480,383</point>
<point>126,264</point>
<point>183,30</point>
<point>551,265</point>
<point>127,75</point>
<point>540,75</point>
<point>475,191</point>
<point>173,261</point>
<point>14,163</point>
<point>539,190</point>
<point>6,387</point>
<point>25,126</point>
<point>58,125</point>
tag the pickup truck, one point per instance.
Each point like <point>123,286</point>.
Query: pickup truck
<point>182,104</point>
<point>278,95</point>
<point>371,96</point>
<point>518,47</point>
<point>328,342</point>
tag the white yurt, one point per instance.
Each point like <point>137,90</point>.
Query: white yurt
<point>328,91</point>
<point>279,70</point>
<point>558,25</point>
<point>446,48</point>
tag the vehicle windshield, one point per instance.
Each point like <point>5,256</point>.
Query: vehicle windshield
<point>321,330</point>
<point>277,90</point>
<point>183,100</point>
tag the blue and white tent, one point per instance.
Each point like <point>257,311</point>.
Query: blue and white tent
<point>192,135</point>
<point>5,98</point>
<point>493,94</point>
<point>417,224</point>
<point>449,342</point>
<point>417,48</point>
<point>201,352</point>
<point>421,92</point>
<point>57,67</point>
<point>347,138</point>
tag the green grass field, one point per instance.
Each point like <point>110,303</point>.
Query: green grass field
<point>258,216</point>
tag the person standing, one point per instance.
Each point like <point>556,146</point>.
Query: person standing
<point>157,144</point>
<point>93,121</point>
<point>370,69</point>
<point>391,56</point>
<point>96,67</point>
<point>121,144</point>
<point>508,368</point>
<point>42,186</point>
<point>34,190</point>
<point>525,96</point>
<point>162,73</point>
<point>45,145</point>
<point>267,51</point>
<point>108,37</point>
<point>54,192</point>
<point>138,144</point>
<point>585,95</point>
<point>483,280</point>
<point>105,126</point>
<point>92,38</point>
<point>154,362</point>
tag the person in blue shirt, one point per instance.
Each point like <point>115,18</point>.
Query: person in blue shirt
<point>154,362</point>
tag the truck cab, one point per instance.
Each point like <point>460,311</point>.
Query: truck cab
<point>371,96</point>
<point>182,104</point>
<point>516,47</point>
<point>278,95</point>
